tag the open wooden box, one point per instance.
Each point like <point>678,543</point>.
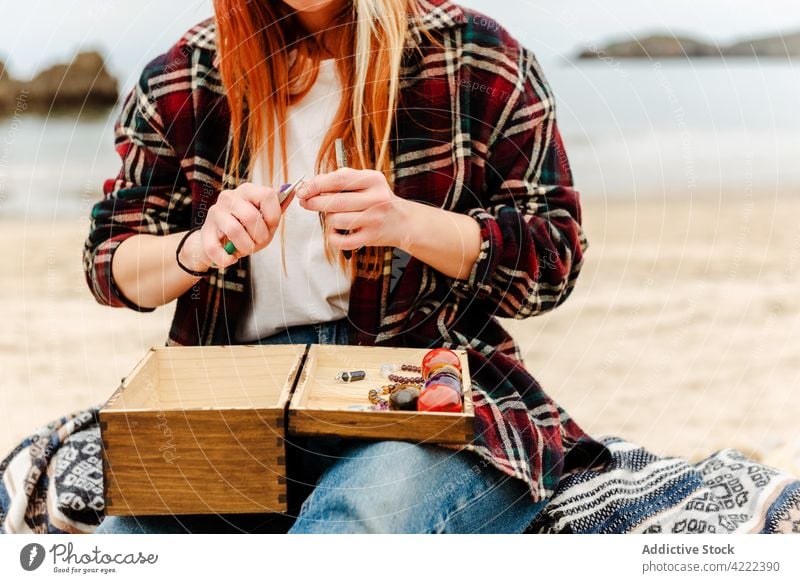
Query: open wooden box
<point>197,430</point>
<point>201,430</point>
<point>322,405</point>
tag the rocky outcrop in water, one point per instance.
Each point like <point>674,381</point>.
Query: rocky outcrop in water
<point>85,83</point>
<point>784,46</point>
<point>681,47</point>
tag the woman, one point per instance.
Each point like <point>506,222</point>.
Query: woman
<point>456,207</point>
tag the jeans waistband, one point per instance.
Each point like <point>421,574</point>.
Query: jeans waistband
<point>333,332</point>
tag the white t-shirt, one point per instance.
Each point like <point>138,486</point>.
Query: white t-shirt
<point>312,290</point>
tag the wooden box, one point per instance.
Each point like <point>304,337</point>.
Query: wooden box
<point>197,430</point>
<point>321,405</point>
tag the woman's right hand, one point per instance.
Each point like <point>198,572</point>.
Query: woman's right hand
<point>247,216</point>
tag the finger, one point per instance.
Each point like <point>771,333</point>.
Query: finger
<point>251,219</point>
<point>251,192</point>
<point>236,234</point>
<point>212,247</point>
<point>271,209</point>
<point>344,179</point>
<point>347,242</point>
<point>339,202</point>
<point>345,221</point>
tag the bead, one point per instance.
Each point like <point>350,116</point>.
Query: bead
<point>404,399</point>
<point>439,356</point>
<point>230,248</point>
<point>439,398</point>
<point>445,379</point>
<point>374,397</point>
<point>447,369</point>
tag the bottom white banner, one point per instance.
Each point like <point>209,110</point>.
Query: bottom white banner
<point>400,558</point>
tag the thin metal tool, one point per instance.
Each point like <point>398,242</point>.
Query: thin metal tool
<point>283,194</point>
<point>341,162</point>
<point>341,155</point>
<point>288,189</point>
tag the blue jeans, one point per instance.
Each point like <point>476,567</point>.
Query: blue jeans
<point>379,486</point>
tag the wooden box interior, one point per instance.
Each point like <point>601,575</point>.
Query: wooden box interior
<point>322,405</point>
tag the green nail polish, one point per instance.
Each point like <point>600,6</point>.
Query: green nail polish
<point>230,248</point>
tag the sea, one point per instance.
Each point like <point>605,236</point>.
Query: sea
<point>632,129</point>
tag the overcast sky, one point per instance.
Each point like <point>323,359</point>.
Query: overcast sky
<point>35,33</point>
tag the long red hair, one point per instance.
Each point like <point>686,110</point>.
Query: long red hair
<point>267,62</point>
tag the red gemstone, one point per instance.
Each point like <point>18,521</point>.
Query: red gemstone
<point>439,398</point>
<point>439,356</point>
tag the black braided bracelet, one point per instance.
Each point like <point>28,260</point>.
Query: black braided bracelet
<point>178,255</point>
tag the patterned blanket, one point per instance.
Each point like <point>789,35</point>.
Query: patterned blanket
<point>52,482</point>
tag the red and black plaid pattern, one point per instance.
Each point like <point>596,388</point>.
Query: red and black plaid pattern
<point>475,133</point>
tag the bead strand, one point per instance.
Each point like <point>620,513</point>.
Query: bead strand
<point>407,380</point>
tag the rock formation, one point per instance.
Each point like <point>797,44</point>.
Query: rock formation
<point>681,47</point>
<point>85,83</point>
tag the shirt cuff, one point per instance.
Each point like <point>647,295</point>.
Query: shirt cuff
<point>478,283</point>
<point>114,294</point>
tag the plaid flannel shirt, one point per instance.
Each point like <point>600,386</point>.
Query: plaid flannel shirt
<point>475,133</point>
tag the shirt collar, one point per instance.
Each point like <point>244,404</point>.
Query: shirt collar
<point>435,15</point>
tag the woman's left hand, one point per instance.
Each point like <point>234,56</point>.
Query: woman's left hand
<point>357,201</point>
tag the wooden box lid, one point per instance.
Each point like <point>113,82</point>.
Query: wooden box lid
<point>322,405</point>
